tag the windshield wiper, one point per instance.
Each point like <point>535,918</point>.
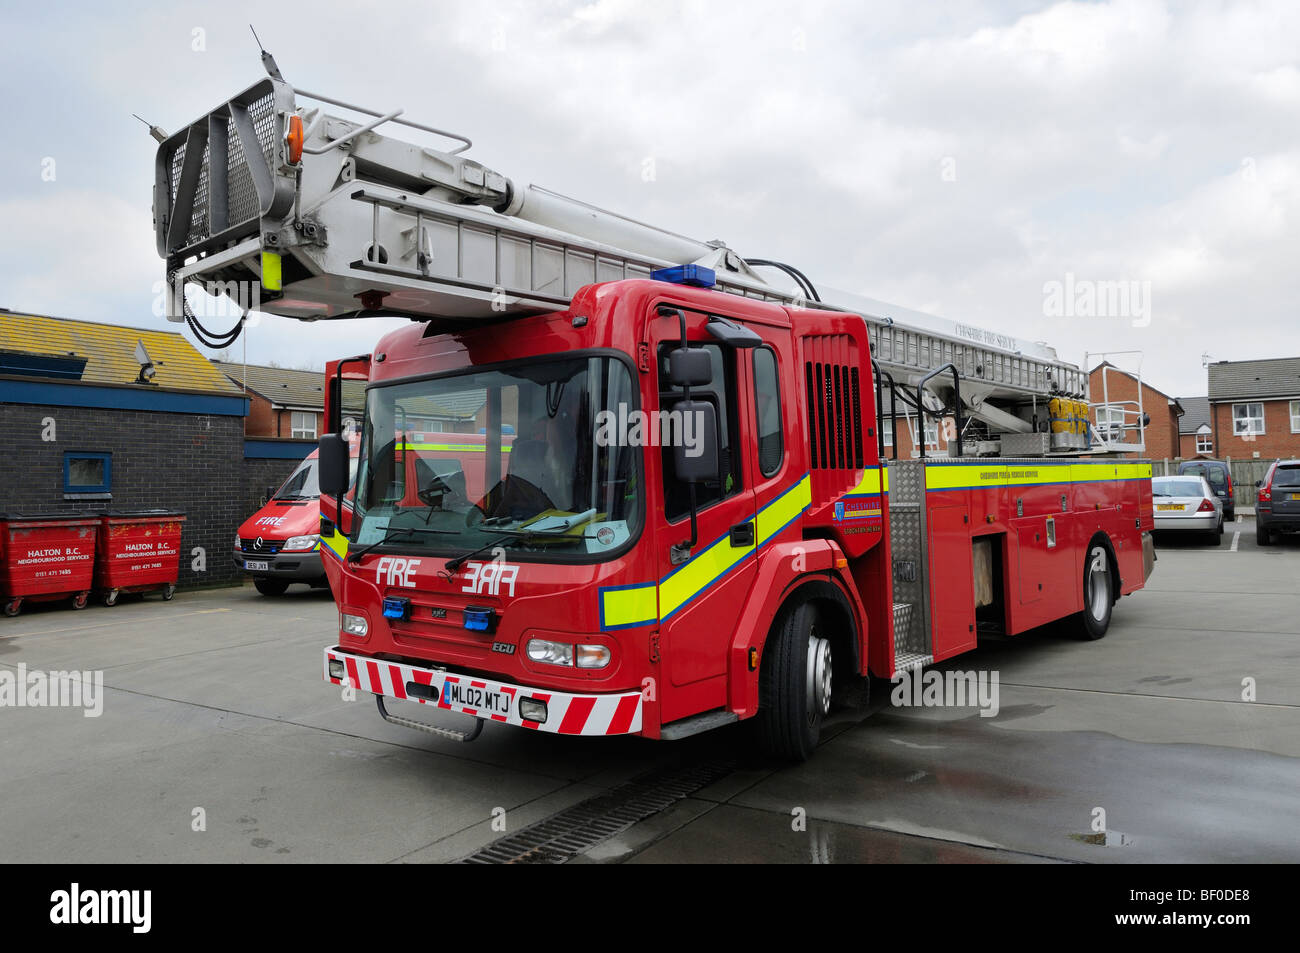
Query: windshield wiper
<point>394,531</point>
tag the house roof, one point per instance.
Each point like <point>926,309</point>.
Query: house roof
<point>108,351</point>
<point>1196,414</point>
<point>285,387</point>
<point>1271,377</point>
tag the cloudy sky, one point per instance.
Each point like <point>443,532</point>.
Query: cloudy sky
<point>970,159</point>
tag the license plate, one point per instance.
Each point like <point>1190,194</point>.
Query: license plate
<point>480,699</point>
<point>1169,506</point>
<point>253,565</point>
<point>1295,496</point>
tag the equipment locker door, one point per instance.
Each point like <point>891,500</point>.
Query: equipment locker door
<point>699,599</point>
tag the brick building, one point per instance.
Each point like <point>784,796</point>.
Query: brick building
<point>1117,396</point>
<point>1255,408</point>
<point>287,403</point>
<point>97,416</point>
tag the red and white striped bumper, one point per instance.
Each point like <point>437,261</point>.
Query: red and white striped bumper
<point>608,714</point>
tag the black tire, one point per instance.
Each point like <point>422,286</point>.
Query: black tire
<point>110,597</point>
<point>80,600</point>
<point>271,587</point>
<point>13,607</point>
<point>1216,536</point>
<point>1262,536</point>
<point>791,709</point>
<point>168,592</point>
<point>1098,594</point>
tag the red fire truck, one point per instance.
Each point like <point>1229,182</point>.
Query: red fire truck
<point>701,517</point>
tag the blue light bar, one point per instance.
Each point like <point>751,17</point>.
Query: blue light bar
<point>696,275</point>
<point>397,608</point>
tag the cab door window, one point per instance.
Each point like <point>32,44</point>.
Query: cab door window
<point>721,392</point>
<point>767,407</point>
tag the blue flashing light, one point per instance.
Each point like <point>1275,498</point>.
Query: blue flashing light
<point>397,608</point>
<point>696,275</point>
<point>479,620</point>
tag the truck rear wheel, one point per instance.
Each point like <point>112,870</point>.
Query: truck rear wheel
<point>794,686</point>
<point>1098,594</point>
<point>270,587</point>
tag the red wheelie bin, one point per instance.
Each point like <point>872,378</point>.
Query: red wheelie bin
<point>43,558</point>
<point>138,551</point>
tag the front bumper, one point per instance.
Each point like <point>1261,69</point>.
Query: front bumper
<point>567,714</point>
<point>296,567</point>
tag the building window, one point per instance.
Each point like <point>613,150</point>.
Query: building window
<point>1295,416</point>
<point>87,472</point>
<point>887,430</point>
<point>1204,443</point>
<point>303,425</point>
<point>1247,419</point>
<point>931,433</point>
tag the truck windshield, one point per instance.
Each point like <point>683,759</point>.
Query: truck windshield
<point>514,457</point>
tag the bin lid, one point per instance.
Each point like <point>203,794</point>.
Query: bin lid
<point>13,517</point>
<point>137,514</point>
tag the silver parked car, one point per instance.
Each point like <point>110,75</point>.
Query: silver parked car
<point>1186,504</point>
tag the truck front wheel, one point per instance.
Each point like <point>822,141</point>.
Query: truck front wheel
<point>794,686</point>
<point>1098,594</point>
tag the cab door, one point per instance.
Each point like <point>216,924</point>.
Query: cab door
<point>700,598</point>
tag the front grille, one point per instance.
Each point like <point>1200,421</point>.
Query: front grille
<point>269,546</point>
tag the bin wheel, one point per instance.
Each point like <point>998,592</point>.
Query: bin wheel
<point>80,601</point>
<point>12,607</point>
<point>110,597</point>
<point>169,590</point>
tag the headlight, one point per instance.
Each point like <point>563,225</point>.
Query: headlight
<point>238,544</point>
<point>354,625</point>
<point>552,653</point>
<point>299,543</point>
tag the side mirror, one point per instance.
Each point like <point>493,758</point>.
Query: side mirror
<point>689,367</point>
<point>270,492</point>
<point>696,461</point>
<point>333,464</point>
<point>1259,483</point>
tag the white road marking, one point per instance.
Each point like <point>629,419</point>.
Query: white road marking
<point>1236,538</point>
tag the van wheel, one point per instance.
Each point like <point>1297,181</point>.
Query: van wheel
<point>1098,595</point>
<point>270,587</point>
<point>794,686</point>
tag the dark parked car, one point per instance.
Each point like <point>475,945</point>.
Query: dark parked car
<point>1277,506</point>
<point>1216,474</point>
